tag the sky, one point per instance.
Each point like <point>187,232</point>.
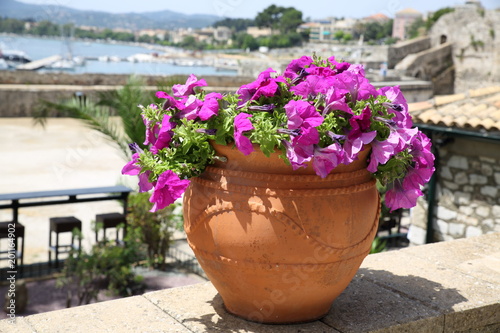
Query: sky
<point>312,9</point>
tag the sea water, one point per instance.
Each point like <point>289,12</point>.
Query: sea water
<point>39,48</point>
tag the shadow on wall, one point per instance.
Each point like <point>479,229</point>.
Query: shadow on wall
<point>375,299</point>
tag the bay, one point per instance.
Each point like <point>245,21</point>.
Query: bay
<point>39,48</point>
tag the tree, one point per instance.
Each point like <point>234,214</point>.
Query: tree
<point>436,15</point>
<point>269,17</point>
<point>290,20</point>
<point>245,41</point>
<point>284,19</point>
<point>338,35</point>
<point>235,24</point>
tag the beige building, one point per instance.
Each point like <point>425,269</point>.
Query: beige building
<point>256,32</point>
<point>402,20</point>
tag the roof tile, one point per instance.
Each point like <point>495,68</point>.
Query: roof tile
<point>477,109</point>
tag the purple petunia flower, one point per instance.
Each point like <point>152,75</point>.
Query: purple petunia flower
<point>298,154</point>
<point>164,134</point>
<point>184,90</point>
<point>356,85</point>
<point>210,106</point>
<point>242,124</point>
<point>169,187</point>
<point>399,106</point>
<point>339,66</point>
<point>170,102</point>
<point>326,159</point>
<point>398,197</point>
<point>265,85</point>
<point>190,109</point>
<point>132,168</point>
<point>296,69</point>
<point>335,100</point>
<point>382,151</point>
<point>313,85</point>
<point>301,114</point>
<point>152,129</point>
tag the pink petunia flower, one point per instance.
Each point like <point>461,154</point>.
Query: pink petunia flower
<point>326,159</point>
<point>169,187</point>
<point>132,168</point>
<point>184,90</point>
<point>243,124</point>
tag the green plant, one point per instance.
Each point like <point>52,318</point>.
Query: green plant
<point>378,245</point>
<point>153,230</point>
<point>104,267</point>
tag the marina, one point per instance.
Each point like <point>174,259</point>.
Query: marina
<point>78,56</point>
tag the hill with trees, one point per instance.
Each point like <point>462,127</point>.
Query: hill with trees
<point>164,19</point>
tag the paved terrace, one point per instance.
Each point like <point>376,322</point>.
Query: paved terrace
<point>444,287</point>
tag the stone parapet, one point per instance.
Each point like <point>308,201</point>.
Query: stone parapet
<point>443,287</point>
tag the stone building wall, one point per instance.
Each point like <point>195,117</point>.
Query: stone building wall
<point>398,52</point>
<point>468,193</point>
<point>475,35</point>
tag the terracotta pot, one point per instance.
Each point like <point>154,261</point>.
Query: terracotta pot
<point>280,245</point>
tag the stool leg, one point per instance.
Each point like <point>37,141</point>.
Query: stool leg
<point>57,250</point>
<point>22,256</point>
<point>50,248</point>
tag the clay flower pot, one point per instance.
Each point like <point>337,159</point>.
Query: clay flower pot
<point>280,245</point>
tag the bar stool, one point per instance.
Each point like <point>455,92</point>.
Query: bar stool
<point>17,231</point>
<point>59,225</point>
<point>107,221</point>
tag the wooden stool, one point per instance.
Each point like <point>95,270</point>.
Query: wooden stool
<point>109,220</point>
<point>60,225</point>
<point>17,231</point>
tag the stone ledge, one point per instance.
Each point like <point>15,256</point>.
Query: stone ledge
<point>444,287</point>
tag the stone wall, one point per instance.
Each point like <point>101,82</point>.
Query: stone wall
<point>427,64</point>
<point>475,35</point>
<point>398,52</point>
<point>468,193</point>
<point>92,79</point>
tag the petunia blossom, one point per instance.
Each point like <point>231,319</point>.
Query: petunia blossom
<point>356,85</point>
<point>133,168</point>
<point>184,90</point>
<point>265,85</point>
<point>164,134</point>
<point>335,100</point>
<point>302,113</point>
<point>210,106</point>
<point>326,159</point>
<point>152,129</point>
<point>296,69</point>
<point>169,187</point>
<point>170,102</point>
<point>298,154</point>
<point>192,106</point>
<point>243,124</point>
<point>398,107</point>
<point>382,151</point>
<point>398,197</point>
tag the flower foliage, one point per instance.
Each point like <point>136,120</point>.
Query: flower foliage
<point>319,112</point>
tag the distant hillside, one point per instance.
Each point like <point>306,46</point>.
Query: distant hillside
<point>165,19</point>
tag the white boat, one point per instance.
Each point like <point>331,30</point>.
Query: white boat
<point>13,58</point>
